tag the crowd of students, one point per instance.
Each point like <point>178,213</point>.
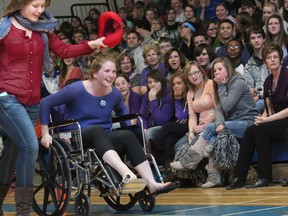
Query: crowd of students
<point>190,68</point>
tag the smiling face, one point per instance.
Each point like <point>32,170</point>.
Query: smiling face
<point>126,65</point>
<point>122,85</point>
<point>106,74</point>
<point>221,12</point>
<point>33,10</point>
<point>226,30</point>
<point>174,61</point>
<point>203,59</point>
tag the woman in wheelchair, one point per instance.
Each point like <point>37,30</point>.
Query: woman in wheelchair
<point>91,102</point>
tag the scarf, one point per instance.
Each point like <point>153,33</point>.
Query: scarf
<point>45,24</point>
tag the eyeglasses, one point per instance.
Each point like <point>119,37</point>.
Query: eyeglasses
<point>195,73</point>
<point>233,47</point>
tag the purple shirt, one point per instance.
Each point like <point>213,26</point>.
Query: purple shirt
<point>146,70</point>
<point>157,112</point>
<point>135,101</point>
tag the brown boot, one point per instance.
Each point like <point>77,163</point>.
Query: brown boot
<point>3,191</point>
<point>23,199</point>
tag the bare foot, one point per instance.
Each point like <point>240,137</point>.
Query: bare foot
<point>158,186</point>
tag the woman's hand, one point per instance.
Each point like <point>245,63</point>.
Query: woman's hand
<point>219,128</point>
<point>260,119</point>
<point>220,80</point>
<point>177,94</point>
<point>46,140</point>
<point>97,44</point>
<point>152,95</point>
<point>198,129</point>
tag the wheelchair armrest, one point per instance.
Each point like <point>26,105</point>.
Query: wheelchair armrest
<point>125,117</point>
<point>64,123</point>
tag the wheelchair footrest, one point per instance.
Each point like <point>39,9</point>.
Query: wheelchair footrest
<point>133,186</point>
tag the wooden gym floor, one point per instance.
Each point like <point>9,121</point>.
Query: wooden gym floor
<point>270,201</point>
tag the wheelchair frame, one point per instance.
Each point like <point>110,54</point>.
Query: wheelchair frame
<point>61,161</point>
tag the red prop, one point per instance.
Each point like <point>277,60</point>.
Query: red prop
<point>110,26</point>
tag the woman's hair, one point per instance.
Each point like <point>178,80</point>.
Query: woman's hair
<point>159,77</point>
<point>15,5</point>
<point>230,72</point>
<point>271,47</point>
<point>63,69</point>
<point>167,55</point>
<point>210,51</point>
<point>226,63</point>
<point>245,21</point>
<point>192,7</point>
<point>148,48</point>
<point>282,38</point>
<point>121,57</point>
<point>122,75</point>
<point>187,69</point>
<point>181,75</point>
<point>139,12</point>
<point>99,60</point>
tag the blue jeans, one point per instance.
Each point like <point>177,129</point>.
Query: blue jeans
<point>236,127</point>
<point>21,145</point>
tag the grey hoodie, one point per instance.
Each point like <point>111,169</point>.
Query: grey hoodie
<point>235,101</point>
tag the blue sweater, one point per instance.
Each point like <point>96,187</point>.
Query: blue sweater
<point>87,109</point>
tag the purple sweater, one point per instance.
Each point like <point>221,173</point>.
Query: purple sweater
<point>87,109</point>
<point>146,70</point>
<point>157,113</point>
<point>135,101</point>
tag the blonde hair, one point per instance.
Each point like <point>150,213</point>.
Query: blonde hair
<point>187,69</point>
<point>16,5</point>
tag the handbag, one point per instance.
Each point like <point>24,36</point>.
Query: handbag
<point>225,150</point>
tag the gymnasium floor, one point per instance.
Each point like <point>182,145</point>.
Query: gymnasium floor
<point>270,201</point>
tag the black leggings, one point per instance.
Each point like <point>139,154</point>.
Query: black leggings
<point>124,142</point>
<point>261,138</point>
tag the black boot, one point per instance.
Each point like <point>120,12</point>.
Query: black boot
<point>3,191</point>
<point>261,182</point>
<point>23,199</point>
<point>235,184</point>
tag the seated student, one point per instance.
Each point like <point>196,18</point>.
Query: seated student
<point>163,144</point>
<point>157,107</point>
<point>226,30</point>
<point>174,61</point>
<point>234,49</point>
<point>151,55</point>
<point>69,70</point>
<point>269,127</point>
<point>186,40</point>
<point>235,110</point>
<point>256,71</point>
<point>131,99</point>
<point>190,14</point>
<point>205,55</point>
<point>95,118</point>
<point>126,65</point>
<point>164,44</point>
<point>171,26</point>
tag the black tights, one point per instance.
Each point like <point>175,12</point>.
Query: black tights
<point>124,142</point>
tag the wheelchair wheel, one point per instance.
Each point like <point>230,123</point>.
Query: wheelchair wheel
<point>119,203</point>
<point>51,197</point>
<point>82,205</point>
<point>146,200</point>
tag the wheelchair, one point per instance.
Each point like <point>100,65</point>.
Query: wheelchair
<point>66,159</point>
